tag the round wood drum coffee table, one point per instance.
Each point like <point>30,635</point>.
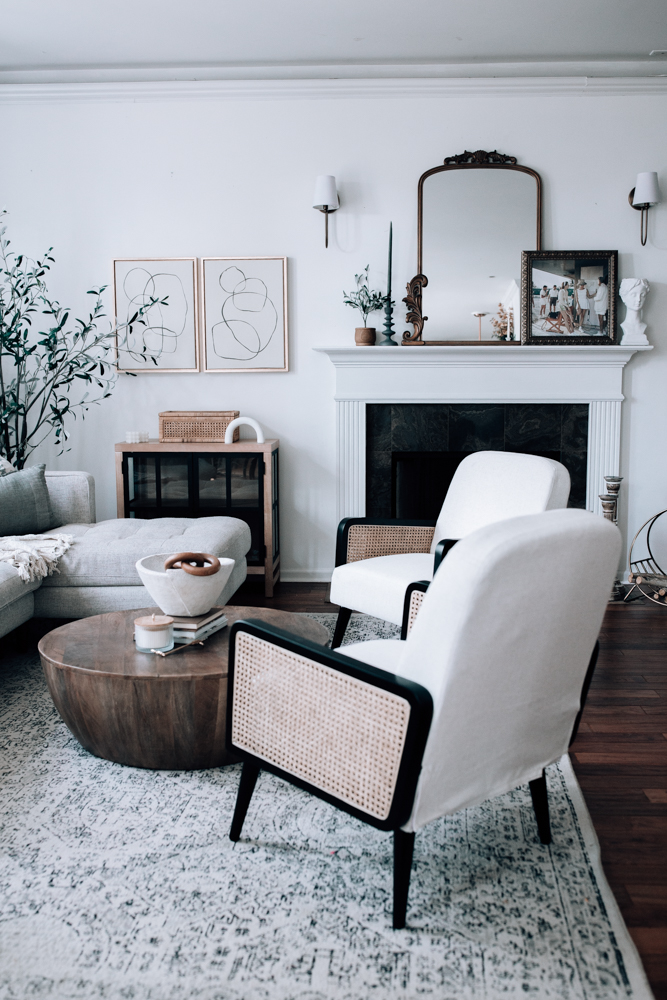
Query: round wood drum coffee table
<point>146,710</point>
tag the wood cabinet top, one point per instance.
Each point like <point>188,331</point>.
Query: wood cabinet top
<point>271,444</point>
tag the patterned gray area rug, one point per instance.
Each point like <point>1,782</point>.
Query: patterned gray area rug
<point>121,884</point>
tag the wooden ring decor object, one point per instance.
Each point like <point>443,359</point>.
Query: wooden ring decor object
<point>195,563</point>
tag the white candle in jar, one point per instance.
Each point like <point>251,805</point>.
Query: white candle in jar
<point>154,632</point>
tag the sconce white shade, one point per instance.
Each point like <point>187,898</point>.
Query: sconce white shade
<point>647,191</point>
<point>326,196</point>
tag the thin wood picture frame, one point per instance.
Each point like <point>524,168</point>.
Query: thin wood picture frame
<point>244,324</point>
<point>171,332</point>
<point>569,297</point>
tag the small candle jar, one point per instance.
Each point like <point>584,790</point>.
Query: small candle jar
<point>154,632</point>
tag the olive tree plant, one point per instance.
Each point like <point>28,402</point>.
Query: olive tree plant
<point>52,366</point>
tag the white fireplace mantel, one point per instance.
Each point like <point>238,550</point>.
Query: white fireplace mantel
<point>477,374</point>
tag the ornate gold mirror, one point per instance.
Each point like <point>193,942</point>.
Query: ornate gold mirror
<point>476,213</point>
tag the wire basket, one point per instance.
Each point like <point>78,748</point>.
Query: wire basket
<point>646,574</point>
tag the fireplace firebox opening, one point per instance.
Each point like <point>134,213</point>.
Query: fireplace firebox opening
<point>413,450</point>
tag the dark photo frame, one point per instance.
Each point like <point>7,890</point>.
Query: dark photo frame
<point>563,297</point>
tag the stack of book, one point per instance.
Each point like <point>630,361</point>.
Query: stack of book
<point>199,627</point>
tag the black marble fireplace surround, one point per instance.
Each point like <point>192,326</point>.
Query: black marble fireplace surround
<point>557,430</point>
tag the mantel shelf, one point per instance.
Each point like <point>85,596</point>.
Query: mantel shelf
<point>478,373</point>
<point>501,354</point>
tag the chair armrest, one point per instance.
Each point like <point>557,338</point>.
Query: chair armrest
<point>414,594</point>
<point>71,497</point>
<point>441,550</point>
<point>367,537</point>
<point>348,732</point>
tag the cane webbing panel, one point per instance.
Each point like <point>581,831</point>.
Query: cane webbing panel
<point>366,541</point>
<point>342,735</point>
<point>416,598</point>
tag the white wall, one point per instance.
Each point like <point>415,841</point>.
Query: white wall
<point>103,179</point>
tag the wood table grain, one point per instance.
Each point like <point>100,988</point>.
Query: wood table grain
<point>146,710</point>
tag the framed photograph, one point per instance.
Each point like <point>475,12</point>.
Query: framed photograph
<point>244,307</point>
<point>167,341</point>
<point>568,296</point>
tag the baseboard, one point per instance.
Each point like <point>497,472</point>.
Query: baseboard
<point>306,575</point>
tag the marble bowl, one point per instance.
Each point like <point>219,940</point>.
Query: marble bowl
<point>179,593</point>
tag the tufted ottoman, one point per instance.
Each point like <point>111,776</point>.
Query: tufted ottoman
<point>98,573</point>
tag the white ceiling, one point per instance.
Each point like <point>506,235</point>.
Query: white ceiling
<point>56,40</point>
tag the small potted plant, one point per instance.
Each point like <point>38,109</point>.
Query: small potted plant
<point>366,301</point>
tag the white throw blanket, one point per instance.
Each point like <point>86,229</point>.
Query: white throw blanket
<point>34,556</point>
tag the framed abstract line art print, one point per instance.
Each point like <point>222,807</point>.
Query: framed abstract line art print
<point>166,338</point>
<point>244,327</point>
<point>569,296</point>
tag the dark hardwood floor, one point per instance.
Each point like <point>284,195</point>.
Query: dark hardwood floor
<point>620,755</point>
<point>620,758</point>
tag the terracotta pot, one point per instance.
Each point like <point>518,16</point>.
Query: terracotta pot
<point>364,336</point>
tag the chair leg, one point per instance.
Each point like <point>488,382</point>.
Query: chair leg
<point>342,622</point>
<point>249,776</point>
<point>538,792</point>
<point>404,844</point>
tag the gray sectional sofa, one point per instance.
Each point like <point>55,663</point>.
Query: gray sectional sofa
<point>98,572</point>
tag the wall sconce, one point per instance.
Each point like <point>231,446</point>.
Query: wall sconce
<point>326,200</point>
<point>645,193</point>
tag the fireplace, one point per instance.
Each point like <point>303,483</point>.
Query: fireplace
<point>413,450</point>
<point>479,385</point>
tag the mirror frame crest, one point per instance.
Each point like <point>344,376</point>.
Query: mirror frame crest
<point>479,160</point>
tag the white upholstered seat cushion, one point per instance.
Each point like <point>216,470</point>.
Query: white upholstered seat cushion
<point>104,554</point>
<point>377,586</point>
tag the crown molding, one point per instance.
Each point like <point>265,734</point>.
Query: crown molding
<point>336,89</point>
<point>350,70</point>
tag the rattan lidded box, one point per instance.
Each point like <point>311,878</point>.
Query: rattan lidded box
<point>196,426</point>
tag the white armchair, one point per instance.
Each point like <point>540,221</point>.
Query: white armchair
<point>376,560</point>
<point>486,691</point>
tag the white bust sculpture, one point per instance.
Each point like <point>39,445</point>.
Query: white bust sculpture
<point>633,292</point>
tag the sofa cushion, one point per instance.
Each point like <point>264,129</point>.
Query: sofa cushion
<point>24,502</point>
<point>104,554</point>
<point>12,586</point>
